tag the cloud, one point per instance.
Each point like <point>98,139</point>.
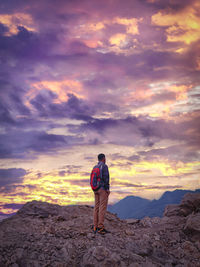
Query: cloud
<point>182,26</point>
<point>11,176</point>
<point>137,131</point>
<point>81,182</point>
<point>23,143</point>
<point>183,152</point>
<point>147,187</point>
<point>74,107</point>
<point>15,21</point>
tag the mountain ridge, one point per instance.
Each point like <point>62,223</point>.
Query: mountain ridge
<point>137,207</point>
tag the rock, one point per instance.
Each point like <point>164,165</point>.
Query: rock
<point>132,221</point>
<point>129,232</point>
<point>172,210</point>
<point>191,202</point>
<point>193,223</point>
<point>65,253</point>
<point>136,257</point>
<point>43,234</point>
<point>190,249</point>
<point>156,237</point>
<point>100,256</point>
<point>146,222</point>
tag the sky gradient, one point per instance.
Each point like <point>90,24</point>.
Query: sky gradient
<point>79,78</point>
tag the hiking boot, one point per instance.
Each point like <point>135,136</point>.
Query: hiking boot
<point>102,231</point>
<point>95,229</point>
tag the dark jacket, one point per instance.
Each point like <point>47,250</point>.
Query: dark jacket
<point>104,175</point>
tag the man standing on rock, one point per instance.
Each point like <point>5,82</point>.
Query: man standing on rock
<point>101,194</point>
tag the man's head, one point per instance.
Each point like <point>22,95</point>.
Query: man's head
<point>102,157</point>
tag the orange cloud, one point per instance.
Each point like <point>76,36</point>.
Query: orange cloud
<point>94,34</point>
<point>140,94</point>
<point>118,39</point>
<point>180,90</point>
<point>131,24</point>
<point>61,88</point>
<point>92,43</point>
<point>96,26</point>
<point>183,26</point>
<point>15,20</point>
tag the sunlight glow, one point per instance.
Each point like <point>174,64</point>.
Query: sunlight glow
<point>181,27</point>
<point>17,20</point>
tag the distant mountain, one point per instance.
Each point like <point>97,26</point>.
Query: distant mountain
<point>129,206</point>
<point>137,207</point>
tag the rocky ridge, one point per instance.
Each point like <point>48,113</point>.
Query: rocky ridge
<point>43,234</point>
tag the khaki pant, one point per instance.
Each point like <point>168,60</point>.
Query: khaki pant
<point>101,201</point>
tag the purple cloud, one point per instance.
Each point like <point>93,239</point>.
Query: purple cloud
<point>11,176</point>
<point>20,143</point>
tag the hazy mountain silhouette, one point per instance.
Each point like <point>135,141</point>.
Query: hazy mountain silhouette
<point>137,207</point>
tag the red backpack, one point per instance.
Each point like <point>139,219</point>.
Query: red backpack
<point>95,178</point>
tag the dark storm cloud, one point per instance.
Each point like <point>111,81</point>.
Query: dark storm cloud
<point>3,29</point>
<point>20,144</point>
<point>181,152</point>
<point>19,105</point>
<point>141,130</point>
<point>99,125</point>
<point>45,142</point>
<point>175,5</point>
<point>74,107</point>
<point>11,176</point>
<point>23,45</point>
<point>5,115</point>
<point>83,8</point>
<point>142,126</point>
<point>11,189</point>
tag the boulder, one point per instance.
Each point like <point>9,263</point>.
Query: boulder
<point>191,202</point>
<point>172,210</point>
<point>100,256</point>
<point>193,223</point>
<point>132,221</point>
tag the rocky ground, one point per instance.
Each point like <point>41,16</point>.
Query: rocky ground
<point>43,234</point>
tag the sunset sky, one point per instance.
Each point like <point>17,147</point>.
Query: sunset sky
<point>83,77</point>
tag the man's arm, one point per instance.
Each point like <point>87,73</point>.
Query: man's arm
<point>106,177</point>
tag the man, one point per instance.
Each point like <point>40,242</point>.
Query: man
<point>101,196</point>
